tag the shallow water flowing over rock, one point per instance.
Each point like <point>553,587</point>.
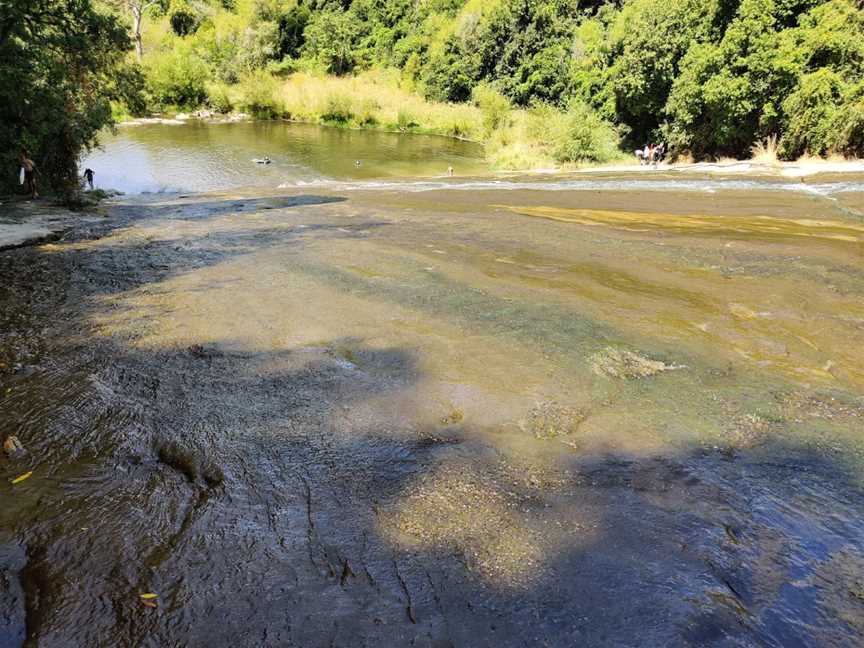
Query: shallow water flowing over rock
<point>440,418</point>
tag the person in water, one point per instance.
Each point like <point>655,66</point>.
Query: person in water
<point>88,176</point>
<point>29,174</point>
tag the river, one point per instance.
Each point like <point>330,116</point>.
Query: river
<point>202,156</point>
<point>599,410</point>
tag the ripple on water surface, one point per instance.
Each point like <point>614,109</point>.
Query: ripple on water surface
<point>198,156</point>
<point>300,420</point>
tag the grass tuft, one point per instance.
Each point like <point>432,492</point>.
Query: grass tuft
<point>765,151</point>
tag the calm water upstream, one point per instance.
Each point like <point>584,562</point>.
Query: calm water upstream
<point>407,411</point>
<point>198,156</point>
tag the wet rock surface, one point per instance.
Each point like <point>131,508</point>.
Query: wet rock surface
<point>13,628</point>
<point>216,416</point>
<point>24,222</point>
<point>622,363</point>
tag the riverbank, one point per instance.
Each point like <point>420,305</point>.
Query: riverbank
<point>542,166</point>
<point>513,139</point>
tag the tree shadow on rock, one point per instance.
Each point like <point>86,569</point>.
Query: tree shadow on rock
<point>269,498</point>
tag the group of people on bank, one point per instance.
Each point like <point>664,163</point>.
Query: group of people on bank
<point>651,154</point>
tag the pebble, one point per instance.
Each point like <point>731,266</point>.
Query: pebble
<point>12,446</point>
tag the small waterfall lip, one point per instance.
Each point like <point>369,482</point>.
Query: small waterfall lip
<point>697,185</point>
<point>163,159</point>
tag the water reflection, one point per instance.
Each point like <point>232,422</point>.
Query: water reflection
<point>199,156</point>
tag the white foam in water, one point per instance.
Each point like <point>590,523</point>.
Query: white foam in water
<point>694,185</point>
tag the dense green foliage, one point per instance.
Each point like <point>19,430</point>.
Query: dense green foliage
<point>711,77</point>
<point>62,63</point>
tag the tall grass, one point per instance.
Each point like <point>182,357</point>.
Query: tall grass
<point>514,145</point>
<point>765,151</point>
<point>258,95</point>
<point>576,135</point>
<point>377,99</point>
<point>542,137</point>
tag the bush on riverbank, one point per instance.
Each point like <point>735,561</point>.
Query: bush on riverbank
<point>176,77</point>
<point>711,78</point>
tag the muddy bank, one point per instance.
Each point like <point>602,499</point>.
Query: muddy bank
<point>434,420</point>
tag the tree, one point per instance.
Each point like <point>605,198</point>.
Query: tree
<point>823,114</point>
<point>648,39</point>
<point>330,37</point>
<point>291,26</point>
<point>781,67</point>
<point>525,45</point>
<point>450,75</point>
<point>183,18</point>
<point>137,9</point>
<point>62,63</point>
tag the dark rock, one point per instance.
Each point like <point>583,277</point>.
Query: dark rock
<point>179,458</point>
<point>212,474</point>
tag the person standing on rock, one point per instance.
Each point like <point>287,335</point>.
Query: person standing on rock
<point>88,176</point>
<point>29,174</point>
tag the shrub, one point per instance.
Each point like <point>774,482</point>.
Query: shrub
<point>847,126</point>
<point>459,128</point>
<point>177,77</point>
<point>367,115</point>
<point>337,109</point>
<point>182,18</point>
<point>495,107</point>
<point>282,68</point>
<point>405,120</point>
<point>577,135</point>
<point>259,96</point>
<point>411,72</point>
<point>810,111</point>
<point>218,97</point>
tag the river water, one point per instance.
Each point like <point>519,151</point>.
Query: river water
<point>414,411</point>
<point>201,156</point>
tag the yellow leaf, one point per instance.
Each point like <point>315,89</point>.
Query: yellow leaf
<point>149,595</point>
<point>22,477</point>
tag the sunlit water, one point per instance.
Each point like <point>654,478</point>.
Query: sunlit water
<point>199,156</point>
